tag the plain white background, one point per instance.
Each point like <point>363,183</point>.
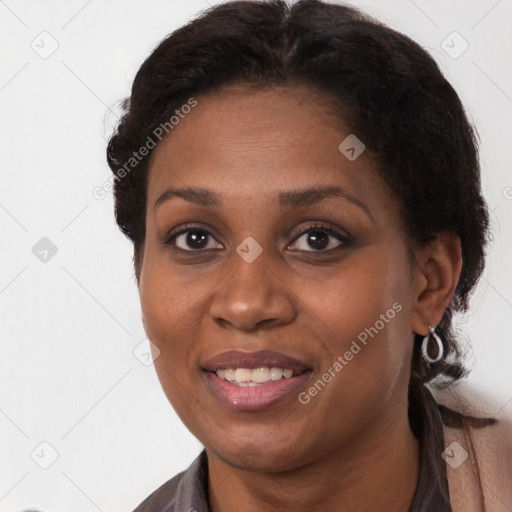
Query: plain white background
<point>70,324</point>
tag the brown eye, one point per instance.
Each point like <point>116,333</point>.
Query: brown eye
<point>320,239</point>
<point>195,239</point>
<point>192,239</point>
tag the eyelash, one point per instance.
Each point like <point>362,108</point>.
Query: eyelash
<point>319,226</point>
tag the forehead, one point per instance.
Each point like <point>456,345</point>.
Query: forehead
<point>248,143</point>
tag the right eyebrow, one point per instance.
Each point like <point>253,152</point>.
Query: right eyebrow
<point>199,196</point>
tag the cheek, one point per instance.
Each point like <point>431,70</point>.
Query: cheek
<point>362,314</point>
<point>165,306</point>
<point>353,296</point>
<point>167,310</point>
<point>166,299</point>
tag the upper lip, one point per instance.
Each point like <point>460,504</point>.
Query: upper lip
<point>261,358</point>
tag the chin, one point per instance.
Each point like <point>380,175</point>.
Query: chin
<point>253,456</point>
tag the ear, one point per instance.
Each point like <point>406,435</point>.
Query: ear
<point>437,272</point>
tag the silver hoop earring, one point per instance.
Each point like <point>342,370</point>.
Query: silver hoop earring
<point>424,346</point>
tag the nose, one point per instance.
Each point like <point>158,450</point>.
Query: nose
<point>253,294</point>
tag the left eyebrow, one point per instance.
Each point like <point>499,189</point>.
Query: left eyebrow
<point>309,196</point>
<point>290,198</point>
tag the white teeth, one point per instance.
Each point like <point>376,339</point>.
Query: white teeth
<point>276,373</point>
<point>260,375</point>
<point>228,374</point>
<point>243,375</point>
<point>247,377</point>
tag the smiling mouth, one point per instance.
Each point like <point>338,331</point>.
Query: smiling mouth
<point>254,381</point>
<point>247,395</point>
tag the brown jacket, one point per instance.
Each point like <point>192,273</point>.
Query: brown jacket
<point>489,453</point>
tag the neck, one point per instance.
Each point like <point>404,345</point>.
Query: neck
<point>378,471</point>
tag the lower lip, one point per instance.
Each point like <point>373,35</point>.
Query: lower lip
<point>255,398</point>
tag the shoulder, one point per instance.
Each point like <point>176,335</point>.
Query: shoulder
<point>474,450</point>
<point>163,498</point>
<point>185,491</point>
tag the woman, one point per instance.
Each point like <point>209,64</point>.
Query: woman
<point>302,189</point>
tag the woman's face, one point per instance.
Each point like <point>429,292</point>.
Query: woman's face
<point>248,276</point>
